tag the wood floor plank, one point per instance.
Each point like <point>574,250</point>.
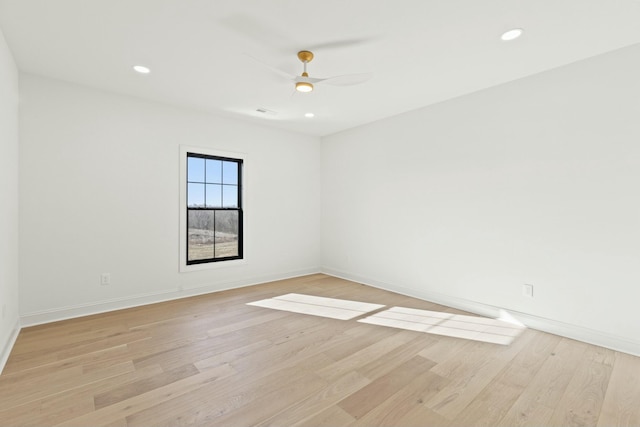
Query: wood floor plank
<point>140,402</point>
<point>49,410</point>
<point>230,356</point>
<point>319,402</point>
<point>361,358</point>
<point>367,398</point>
<point>399,355</point>
<point>471,373</point>
<point>224,403</point>
<point>126,391</point>
<point>581,403</point>
<point>535,405</point>
<point>303,350</point>
<point>214,360</point>
<point>445,348</point>
<point>621,405</point>
<point>262,406</point>
<point>502,392</point>
<point>65,380</point>
<point>331,417</point>
<point>212,401</point>
<point>117,423</point>
<point>358,337</point>
<point>35,359</point>
<point>420,416</point>
<point>403,402</point>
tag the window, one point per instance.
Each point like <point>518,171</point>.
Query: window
<point>213,208</point>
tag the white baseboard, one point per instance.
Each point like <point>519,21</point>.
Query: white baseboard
<point>535,322</point>
<point>8,346</point>
<point>80,310</point>
<point>555,327</point>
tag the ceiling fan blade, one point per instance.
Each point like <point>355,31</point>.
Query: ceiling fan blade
<point>277,71</point>
<point>311,80</point>
<point>339,44</point>
<point>348,79</point>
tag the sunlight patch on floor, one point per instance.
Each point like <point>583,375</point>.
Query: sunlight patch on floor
<point>453,325</point>
<point>318,306</point>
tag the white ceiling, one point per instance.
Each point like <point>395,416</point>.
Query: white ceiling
<point>420,51</point>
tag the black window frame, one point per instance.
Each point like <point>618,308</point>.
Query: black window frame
<point>239,208</point>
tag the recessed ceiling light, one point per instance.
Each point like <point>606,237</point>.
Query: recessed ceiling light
<point>309,115</point>
<point>512,34</point>
<point>141,69</point>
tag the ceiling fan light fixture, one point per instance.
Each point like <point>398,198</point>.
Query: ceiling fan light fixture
<point>304,87</point>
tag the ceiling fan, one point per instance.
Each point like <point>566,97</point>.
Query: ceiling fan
<point>304,83</point>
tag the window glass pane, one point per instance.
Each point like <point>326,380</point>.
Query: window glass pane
<point>195,169</point>
<point>226,233</point>
<point>230,196</point>
<point>195,195</point>
<point>214,171</point>
<point>201,237</point>
<point>214,195</point>
<point>229,173</point>
<point>213,209</point>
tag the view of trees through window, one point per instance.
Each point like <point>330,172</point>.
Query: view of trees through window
<point>214,208</point>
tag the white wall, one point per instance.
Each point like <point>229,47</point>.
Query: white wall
<point>99,193</point>
<point>536,181</point>
<point>8,200</point>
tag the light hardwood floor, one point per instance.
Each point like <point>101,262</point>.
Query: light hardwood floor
<point>213,360</point>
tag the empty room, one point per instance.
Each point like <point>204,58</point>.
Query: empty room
<point>340,213</point>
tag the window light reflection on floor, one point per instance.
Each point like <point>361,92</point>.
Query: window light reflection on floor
<point>496,331</point>
<point>318,306</point>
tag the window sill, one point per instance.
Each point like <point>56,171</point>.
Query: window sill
<point>212,265</point>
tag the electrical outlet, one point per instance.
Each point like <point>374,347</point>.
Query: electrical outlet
<point>527,291</point>
<point>105,279</point>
